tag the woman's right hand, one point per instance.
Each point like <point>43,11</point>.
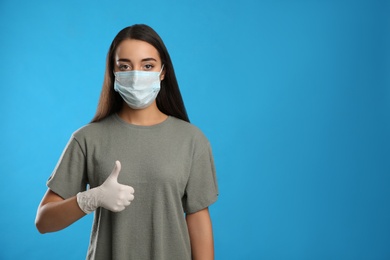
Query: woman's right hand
<point>111,195</point>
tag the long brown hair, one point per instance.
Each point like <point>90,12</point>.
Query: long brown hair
<point>169,99</point>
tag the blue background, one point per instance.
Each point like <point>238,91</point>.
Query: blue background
<point>293,95</point>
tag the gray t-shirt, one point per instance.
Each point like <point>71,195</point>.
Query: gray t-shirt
<point>169,165</point>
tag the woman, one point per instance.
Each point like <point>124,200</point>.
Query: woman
<point>150,172</point>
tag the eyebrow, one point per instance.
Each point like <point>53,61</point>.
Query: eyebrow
<point>146,59</point>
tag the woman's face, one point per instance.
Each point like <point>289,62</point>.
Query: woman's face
<point>137,55</point>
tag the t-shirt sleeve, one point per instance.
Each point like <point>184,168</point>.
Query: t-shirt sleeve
<point>202,188</point>
<point>69,176</point>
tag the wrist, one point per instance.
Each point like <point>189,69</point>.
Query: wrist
<point>88,200</point>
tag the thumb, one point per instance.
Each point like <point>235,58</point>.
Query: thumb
<point>115,172</point>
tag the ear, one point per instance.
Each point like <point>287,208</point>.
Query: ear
<point>162,75</point>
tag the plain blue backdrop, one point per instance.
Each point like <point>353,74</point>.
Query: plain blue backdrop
<point>293,95</point>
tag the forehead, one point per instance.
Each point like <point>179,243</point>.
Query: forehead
<point>136,50</point>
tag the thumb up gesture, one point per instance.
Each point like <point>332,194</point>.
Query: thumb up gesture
<point>110,195</point>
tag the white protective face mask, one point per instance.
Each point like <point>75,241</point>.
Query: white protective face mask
<point>138,88</point>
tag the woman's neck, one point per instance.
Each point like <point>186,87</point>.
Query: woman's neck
<point>145,117</point>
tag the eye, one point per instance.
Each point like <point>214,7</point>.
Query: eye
<point>123,67</point>
<point>148,67</point>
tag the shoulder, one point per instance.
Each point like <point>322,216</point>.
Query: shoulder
<point>95,129</point>
<point>187,131</point>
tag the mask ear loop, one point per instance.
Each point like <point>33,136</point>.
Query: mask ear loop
<point>159,75</point>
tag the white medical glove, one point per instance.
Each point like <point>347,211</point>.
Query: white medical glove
<point>110,195</point>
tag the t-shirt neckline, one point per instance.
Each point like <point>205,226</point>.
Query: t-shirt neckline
<point>155,126</point>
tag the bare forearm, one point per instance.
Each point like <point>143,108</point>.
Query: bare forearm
<point>201,235</point>
<point>56,214</point>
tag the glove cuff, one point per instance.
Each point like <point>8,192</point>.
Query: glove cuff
<point>87,201</point>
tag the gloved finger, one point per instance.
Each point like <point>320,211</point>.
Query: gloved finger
<point>115,172</point>
<point>127,189</point>
<point>128,197</point>
<point>118,208</point>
